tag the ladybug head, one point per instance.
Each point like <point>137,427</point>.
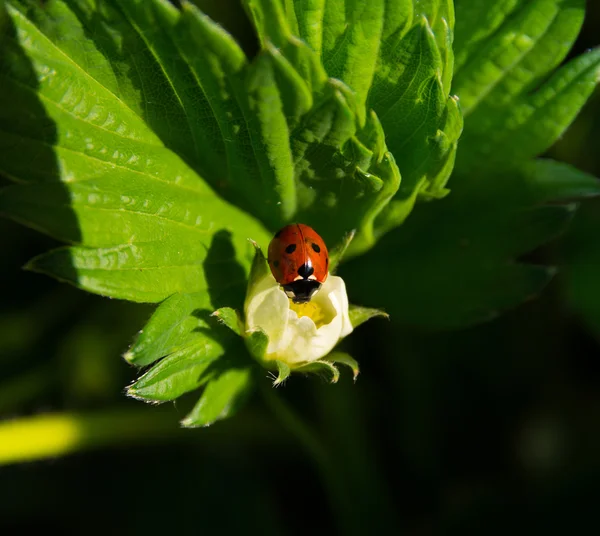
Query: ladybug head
<point>302,291</point>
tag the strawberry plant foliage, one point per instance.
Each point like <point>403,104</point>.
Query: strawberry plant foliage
<point>457,260</point>
<point>146,138</point>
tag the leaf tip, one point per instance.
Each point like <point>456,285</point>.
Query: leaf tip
<point>189,422</point>
<point>254,243</point>
<point>131,392</point>
<point>335,374</point>
<point>279,381</point>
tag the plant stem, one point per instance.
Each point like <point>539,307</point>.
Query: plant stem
<point>315,450</point>
<point>57,434</point>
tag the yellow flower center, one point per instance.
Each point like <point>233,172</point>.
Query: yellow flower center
<point>310,309</point>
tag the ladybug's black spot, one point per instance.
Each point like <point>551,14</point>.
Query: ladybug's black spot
<point>276,263</point>
<point>291,248</point>
<point>316,248</point>
<point>278,233</point>
<point>306,270</point>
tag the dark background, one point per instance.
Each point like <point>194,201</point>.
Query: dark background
<point>481,431</point>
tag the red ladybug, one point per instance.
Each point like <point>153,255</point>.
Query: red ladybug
<point>299,261</point>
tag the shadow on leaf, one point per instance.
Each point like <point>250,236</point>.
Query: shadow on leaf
<point>225,276</point>
<point>28,140</point>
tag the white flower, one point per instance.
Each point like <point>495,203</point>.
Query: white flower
<point>298,333</point>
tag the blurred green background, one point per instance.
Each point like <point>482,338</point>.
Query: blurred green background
<point>482,431</point>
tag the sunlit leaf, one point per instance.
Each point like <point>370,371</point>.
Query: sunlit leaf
<point>103,177</point>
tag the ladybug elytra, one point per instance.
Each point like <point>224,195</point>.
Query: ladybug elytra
<point>299,261</point>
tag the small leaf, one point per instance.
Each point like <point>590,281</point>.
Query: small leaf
<point>272,28</point>
<point>179,321</point>
<point>397,21</point>
<point>351,44</point>
<point>259,269</point>
<point>179,373</point>
<point>257,342</point>
<point>371,227</point>
<point>307,18</point>
<point>321,367</point>
<point>359,315</point>
<point>229,317</point>
<point>410,101</point>
<point>345,359</point>
<point>222,397</point>
<point>191,343</point>
<point>296,97</point>
<point>283,372</point>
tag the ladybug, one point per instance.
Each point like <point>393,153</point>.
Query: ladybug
<point>299,261</point>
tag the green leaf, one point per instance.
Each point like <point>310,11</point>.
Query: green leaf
<point>178,322</point>
<point>147,224</point>
<point>465,271</point>
<point>515,108</point>
<point>150,271</point>
<point>306,18</point>
<point>440,14</point>
<point>455,263</point>
<point>322,367</point>
<point>352,32</point>
<point>249,112</point>
<point>257,342</point>
<point>547,181</point>
<point>190,342</point>
<point>410,96</point>
<point>222,397</point>
<point>339,144</point>
<point>345,176</point>
<point>194,349</point>
<point>359,315</point>
<point>179,373</point>
<point>344,34</point>
<point>276,32</point>
<point>345,359</point>
<point>336,254</point>
<point>580,259</point>
<point>229,317</point>
<point>506,47</point>
<point>260,267</point>
<point>283,373</point>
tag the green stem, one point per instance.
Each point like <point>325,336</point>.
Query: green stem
<point>57,434</point>
<point>313,447</point>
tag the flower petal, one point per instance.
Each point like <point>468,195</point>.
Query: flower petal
<point>267,309</point>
